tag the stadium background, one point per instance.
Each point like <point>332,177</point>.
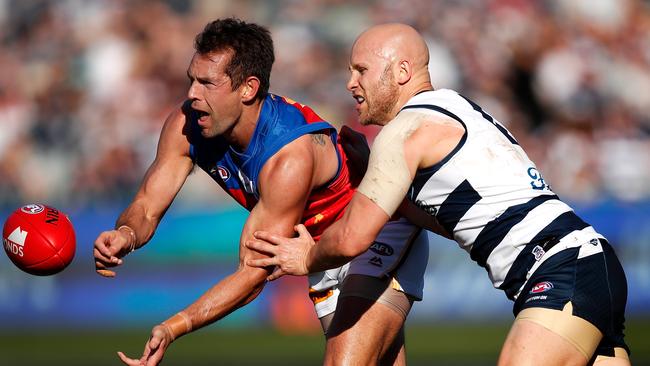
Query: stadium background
<point>85,86</point>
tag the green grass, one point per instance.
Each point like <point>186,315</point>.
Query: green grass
<point>447,344</point>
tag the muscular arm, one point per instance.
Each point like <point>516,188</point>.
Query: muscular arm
<point>284,184</point>
<point>161,183</point>
<point>423,147</point>
<point>392,166</point>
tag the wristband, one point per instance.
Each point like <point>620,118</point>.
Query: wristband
<point>178,324</point>
<point>132,235</point>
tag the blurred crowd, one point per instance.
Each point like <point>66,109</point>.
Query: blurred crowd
<point>86,85</point>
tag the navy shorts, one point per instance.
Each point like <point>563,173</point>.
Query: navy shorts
<point>595,285</point>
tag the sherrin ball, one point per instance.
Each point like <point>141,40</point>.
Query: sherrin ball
<point>39,239</point>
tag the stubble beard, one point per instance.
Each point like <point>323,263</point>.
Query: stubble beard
<point>211,132</point>
<point>216,128</point>
<point>381,109</point>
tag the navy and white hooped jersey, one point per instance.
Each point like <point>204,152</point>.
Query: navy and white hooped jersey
<point>490,196</point>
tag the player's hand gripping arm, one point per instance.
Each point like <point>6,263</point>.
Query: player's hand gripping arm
<point>285,183</point>
<point>373,204</point>
<point>344,240</point>
<point>364,216</point>
<point>161,183</point>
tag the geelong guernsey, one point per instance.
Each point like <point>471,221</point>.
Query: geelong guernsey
<point>491,197</point>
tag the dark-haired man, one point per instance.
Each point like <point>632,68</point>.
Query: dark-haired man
<point>284,163</point>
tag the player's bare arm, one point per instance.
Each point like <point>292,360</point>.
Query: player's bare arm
<point>162,181</point>
<point>357,150</point>
<point>365,216</point>
<point>284,186</point>
<point>437,137</point>
<point>370,208</point>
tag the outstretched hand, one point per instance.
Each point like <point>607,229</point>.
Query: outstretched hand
<point>154,350</point>
<point>289,255</point>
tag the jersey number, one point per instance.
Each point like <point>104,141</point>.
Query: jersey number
<point>537,182</point>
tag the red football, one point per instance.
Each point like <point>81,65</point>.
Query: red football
<point>39,239</point>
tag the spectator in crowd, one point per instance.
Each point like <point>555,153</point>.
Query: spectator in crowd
<point>575,74</point>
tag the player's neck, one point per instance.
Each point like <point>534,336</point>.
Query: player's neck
<point>242,132</point>
<point>420,83</point>
<point>409,91</point>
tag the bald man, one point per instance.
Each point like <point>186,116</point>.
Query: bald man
<point>466,177</point>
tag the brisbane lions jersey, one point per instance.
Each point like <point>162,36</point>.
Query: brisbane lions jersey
<point>490,197</point>
<point>281,121</point>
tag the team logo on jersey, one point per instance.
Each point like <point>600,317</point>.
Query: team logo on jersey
<point>224,174</point>
<point>541,287</point>
<point>382,249</point>
<point>32,209</point>
<point>15,242</point>
<point>376,261</point>
<point>538,252</point>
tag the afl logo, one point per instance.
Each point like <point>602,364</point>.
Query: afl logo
<point>541,287</point>
<point>32,209</point>
<point>382,249</point>
<point>223,173</point>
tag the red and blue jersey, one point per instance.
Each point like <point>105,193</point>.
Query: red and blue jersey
<point>281,121</point>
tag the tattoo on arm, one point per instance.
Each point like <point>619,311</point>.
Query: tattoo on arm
<point>318,139</point>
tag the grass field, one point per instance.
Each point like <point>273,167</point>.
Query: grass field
<point>453,345</point>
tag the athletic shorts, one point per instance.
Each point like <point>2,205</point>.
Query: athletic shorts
<point>595,285</point>
<point>401,251</point>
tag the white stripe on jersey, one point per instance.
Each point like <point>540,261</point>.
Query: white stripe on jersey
<point>501,258</point>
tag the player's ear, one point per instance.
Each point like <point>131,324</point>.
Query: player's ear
<point>249,88</point>
<point>404,72</point>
